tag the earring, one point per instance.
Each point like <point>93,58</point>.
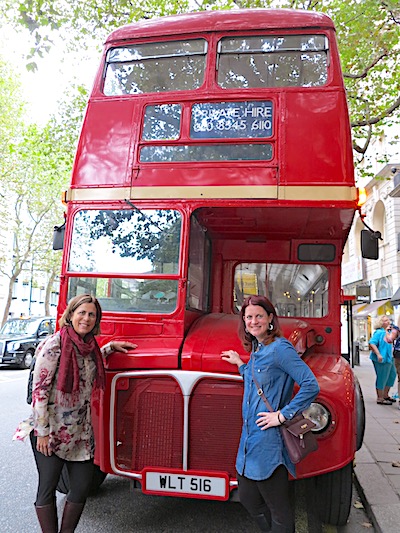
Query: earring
<point>246,330</point>
<point>271,326</point>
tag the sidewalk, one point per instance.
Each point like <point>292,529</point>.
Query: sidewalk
<point>377,480</point>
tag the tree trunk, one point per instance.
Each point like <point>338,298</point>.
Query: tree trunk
<point>49,288</point>
<point>9,298</point>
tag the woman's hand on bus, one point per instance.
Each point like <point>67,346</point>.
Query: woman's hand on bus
<point>42,446</point>
<point>232,357</point>
<point>270,420</point>
<point>122,346</point>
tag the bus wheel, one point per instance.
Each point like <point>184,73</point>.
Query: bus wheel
<point>334,495</point>
<point>360,413</point>
<point>98,478</point>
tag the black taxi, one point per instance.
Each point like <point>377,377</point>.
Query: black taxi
<point>20,336</point>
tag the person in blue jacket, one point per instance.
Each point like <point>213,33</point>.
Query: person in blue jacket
<point>262,461</point>
<point>381,356</point>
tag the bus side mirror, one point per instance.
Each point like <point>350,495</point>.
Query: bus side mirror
<point>58,237</point>
<point>369,244</point>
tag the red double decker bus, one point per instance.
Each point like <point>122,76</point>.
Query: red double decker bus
<point>214,162</point>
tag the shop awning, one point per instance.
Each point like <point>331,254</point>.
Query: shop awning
<point>358,307</point>
<point>395,299</point>
<point>379,307</point>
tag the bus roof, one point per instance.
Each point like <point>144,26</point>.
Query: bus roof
<point>230,20</point>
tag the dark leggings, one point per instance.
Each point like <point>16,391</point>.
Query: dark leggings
<point>269,495</point>
<point>49,470</point>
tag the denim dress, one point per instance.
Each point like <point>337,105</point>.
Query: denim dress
<point>277,366</point>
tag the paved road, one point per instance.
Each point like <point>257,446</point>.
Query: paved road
<point>115,508</point>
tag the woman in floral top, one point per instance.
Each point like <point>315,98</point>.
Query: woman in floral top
<point>69,365</point>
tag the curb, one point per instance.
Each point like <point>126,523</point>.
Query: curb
<point>379,498</point>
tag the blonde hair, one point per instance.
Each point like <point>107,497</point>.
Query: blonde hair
<point>378,323</point>
<point>73,305</point>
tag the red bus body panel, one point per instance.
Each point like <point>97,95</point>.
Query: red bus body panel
<point>253,211</point>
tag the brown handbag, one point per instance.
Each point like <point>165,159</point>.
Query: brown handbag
<point>298,438</point>
<point>296,433</point>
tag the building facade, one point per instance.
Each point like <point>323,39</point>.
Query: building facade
<point>375,283</point>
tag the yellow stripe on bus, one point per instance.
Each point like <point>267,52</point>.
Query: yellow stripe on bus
<point>291,193</point>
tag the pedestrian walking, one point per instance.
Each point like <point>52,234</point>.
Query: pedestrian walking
<point>394,337</point>
<point>381,356</point>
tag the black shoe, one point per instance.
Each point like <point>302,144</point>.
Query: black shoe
<point>390,399</point>
<point>276,528</point>
<point>262,522</point>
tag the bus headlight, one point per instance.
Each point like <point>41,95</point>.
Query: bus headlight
<point>318,414</point>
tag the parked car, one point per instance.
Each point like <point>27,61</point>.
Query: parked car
<point>20,336</point>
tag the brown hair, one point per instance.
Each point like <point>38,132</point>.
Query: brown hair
<point>73,305</point>
<point>246,337</point>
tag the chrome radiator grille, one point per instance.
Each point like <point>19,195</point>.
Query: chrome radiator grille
<point>170,422</point>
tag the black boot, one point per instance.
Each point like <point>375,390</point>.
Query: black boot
<point>71,515</point>
<point>278,528</point>
<point>263,523</point>
<point>47,516</point>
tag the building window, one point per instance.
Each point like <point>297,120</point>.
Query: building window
<point>383,289</point>
<point>357,237</point>
<point>378,220</point>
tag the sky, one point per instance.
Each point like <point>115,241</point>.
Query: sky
<point>43,88</point>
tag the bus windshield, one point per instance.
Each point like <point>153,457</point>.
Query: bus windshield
<point>243,62</point>
<point>273,61</point>
<point>141,247</point>
<point>295,290</point>
<point>155,67</point>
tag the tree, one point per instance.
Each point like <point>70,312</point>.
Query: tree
<point>140,235</point>
<point>368,35</point>
<point>11,125</point>
<point>42,160</point>
<point>30,199</point>
<point>11,118</point>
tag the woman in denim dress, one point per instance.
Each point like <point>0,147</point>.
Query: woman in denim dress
<point>262,462</point>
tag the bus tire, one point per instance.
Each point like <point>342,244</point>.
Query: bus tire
<point>97,480</point>
<point>360,414</point>
<point>334,495</point>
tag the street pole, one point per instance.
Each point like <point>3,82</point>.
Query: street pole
<point>30,289</point>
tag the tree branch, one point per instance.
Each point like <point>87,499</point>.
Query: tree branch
<point>391,13</point>
<point>378,118</point>
<point>363,149</point>
<point>364,73</point>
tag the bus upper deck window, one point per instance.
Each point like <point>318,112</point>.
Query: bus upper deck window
<point>155,67</point>
<point>273,61</point>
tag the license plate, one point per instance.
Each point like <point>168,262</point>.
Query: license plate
<point>188,484</point>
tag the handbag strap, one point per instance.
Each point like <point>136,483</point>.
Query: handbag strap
<point>260,392</point>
